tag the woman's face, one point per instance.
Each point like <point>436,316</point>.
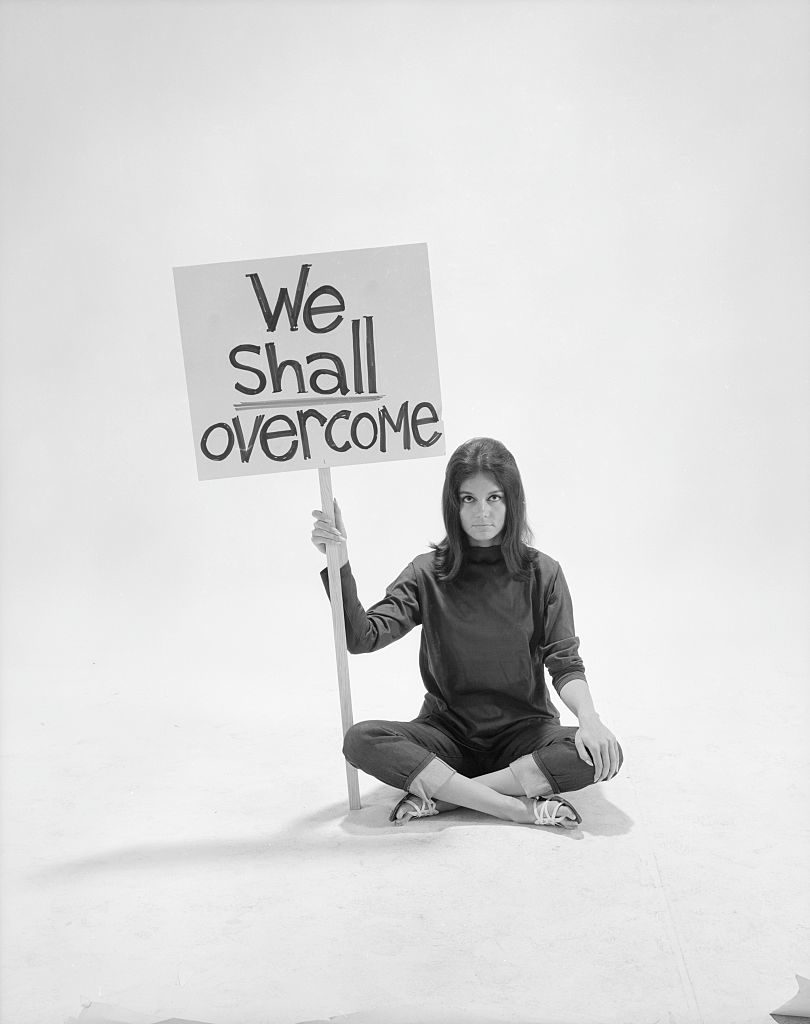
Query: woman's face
<point>482,508</point>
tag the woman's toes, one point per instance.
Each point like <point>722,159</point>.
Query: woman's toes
<point>567,817</point>
<point>405,813</point>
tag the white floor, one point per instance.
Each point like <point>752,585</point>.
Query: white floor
<point>152,863</point>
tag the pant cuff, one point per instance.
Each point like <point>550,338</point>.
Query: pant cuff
<point>532,776</point>
<point>430,778</point>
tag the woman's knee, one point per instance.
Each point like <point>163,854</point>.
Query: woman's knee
<point>359,740</point>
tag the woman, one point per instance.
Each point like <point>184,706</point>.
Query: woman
<point>494,612</point>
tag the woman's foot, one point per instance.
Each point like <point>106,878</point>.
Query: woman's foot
<point>411,806</point>
<point>551,810</point>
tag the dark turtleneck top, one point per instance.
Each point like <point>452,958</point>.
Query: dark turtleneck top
<point>486,638</point>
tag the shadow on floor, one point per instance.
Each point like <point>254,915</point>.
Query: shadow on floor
<point>599,816</point>
<point>328,832</point>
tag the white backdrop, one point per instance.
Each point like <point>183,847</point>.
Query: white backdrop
<point>614,198</point>
<point>615,202</point>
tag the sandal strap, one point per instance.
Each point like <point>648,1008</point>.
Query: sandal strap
<point>422,807</point>
<point>544,815</point>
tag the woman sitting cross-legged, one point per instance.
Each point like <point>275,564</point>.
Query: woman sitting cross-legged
<point>495,613</point>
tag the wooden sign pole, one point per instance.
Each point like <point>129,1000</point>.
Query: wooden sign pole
<point>339,629</point>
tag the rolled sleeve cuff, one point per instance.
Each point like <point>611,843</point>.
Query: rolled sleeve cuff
<point>568,677</point>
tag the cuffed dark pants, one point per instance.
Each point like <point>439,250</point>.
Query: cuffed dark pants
<point>420,756</point>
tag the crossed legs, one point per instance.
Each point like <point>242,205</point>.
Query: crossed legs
<point>534,759</point>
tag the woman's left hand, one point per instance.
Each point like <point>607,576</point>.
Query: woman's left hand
<point>597,746</point>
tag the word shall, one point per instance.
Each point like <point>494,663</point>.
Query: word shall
<point>362,430</point>
<point>325,380</point>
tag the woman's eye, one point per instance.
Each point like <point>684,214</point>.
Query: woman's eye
<point>495,497</point>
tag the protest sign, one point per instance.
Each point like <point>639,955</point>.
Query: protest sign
<point>310,361</point>
<point>348,374</point>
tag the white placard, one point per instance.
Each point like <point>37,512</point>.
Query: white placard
<point>307,362</point>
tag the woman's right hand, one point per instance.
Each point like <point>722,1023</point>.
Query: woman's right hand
<point>325,533</point>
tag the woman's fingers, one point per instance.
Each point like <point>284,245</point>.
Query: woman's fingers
<point>339,518</point>
<point>615,761</point>
<point>322,520</point>
<point>594,753</point>
<point>583,753</point>
<point>604,756</point>
<point>325,532</point>
<point>598,763</point>
<point>609,754</point>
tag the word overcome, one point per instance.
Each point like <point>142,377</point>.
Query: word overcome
<point>361,430</point>
<point>321,378</point>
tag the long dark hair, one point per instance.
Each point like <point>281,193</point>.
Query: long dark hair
<point>484,455</point>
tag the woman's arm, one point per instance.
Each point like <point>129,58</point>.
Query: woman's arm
<point>384,622</point>
<point>595,743</point>
<point>593,737</point>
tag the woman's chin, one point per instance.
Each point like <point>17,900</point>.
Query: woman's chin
<point>483,537</point>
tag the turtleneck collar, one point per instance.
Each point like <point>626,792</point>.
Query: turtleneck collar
<point>491,554</point>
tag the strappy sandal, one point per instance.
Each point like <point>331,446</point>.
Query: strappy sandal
<point>422,808</point>
<point>543,815</point>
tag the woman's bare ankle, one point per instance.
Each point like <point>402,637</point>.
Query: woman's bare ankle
<point>522,813</point>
